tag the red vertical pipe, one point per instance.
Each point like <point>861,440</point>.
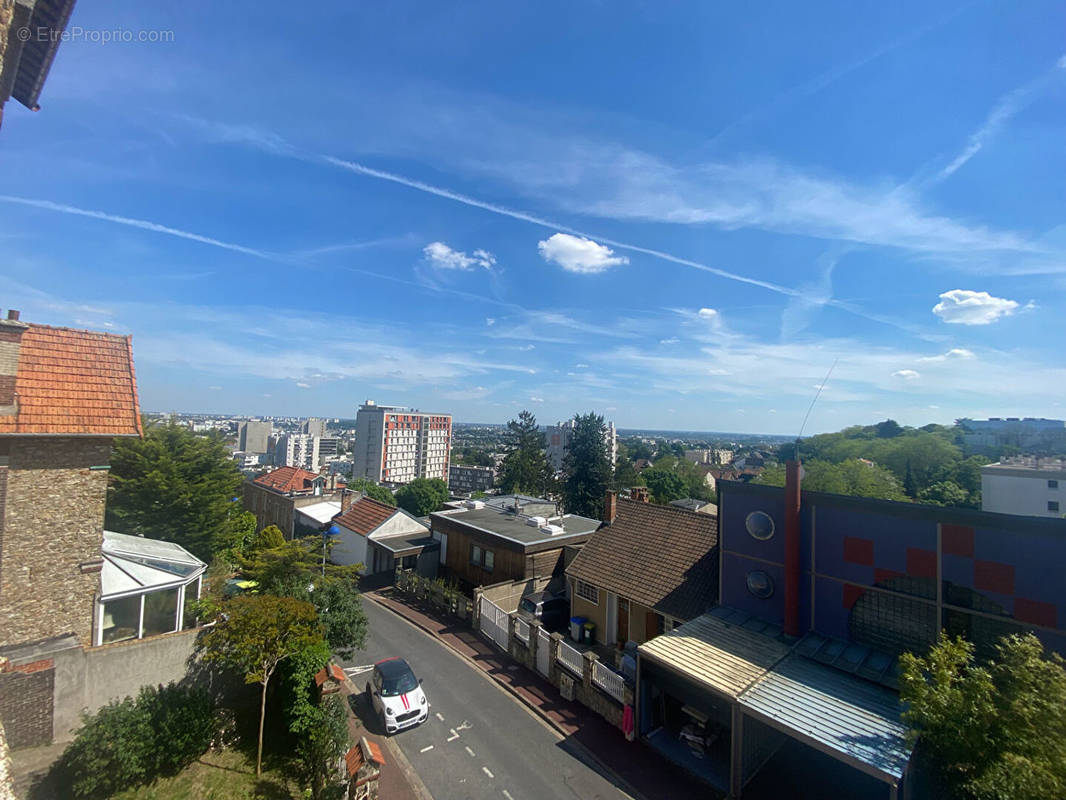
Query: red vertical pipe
<point>792,548</point>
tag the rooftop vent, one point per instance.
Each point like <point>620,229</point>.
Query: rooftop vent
<point>537,522</point>
<point>552,530</point>
<point>475,504</point>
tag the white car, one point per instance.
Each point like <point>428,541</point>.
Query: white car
<point>396,694</point>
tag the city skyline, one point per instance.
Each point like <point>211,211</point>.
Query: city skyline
<point>486,209</point>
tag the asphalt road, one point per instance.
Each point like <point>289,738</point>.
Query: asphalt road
<point>479,742</point>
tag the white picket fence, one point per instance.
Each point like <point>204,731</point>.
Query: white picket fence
<point>543,653</point>
<point>494,622</point>
<point>521,629</point>
<point>570,658</point>
<point>608,680</point>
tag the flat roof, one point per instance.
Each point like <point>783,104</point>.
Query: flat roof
<point>514,527</point>
<point>406,544</point>
<point>321,512</point>
<point>846,717</point>
<point>727,658</point>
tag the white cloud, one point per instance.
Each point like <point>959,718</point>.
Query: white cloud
<point>440,255</point>
<point>215,388</point>
<point>950,355</point>
<point>527,347</point>
<point>967,307</point>
<point>581,366</point>
<point>671,340</point>
<point>906,374</point>
<point>490,321</point>
<point>578,254</point>
<point>708,313</point>
<point>302,385</point>
<point>533,399</point>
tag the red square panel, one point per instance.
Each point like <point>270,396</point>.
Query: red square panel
<point>991,576</point>
<point>859,551</point>
<point>921,563</point>
<point>885,575</point>
<point>852,594</point>
<point>1035,612</point>
<point>957,540</point>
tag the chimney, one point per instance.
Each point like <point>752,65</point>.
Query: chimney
<point>610,506</point>
<point>346,500</point>
<point>792,548</point>
<point>11,331</point>
<point>639,493</point>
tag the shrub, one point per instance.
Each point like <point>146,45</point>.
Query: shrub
<point>133,741</point>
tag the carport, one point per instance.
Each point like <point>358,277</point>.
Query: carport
<point>748,694</point>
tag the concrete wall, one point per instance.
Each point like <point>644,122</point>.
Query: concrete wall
<point>594,612</point>
<point>1023,494</point>
<point>508,593</point>
<point>51,532</point>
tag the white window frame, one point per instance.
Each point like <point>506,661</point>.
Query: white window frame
<point>587,592</point>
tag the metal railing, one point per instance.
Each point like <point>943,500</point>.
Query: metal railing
<point>608,680</point>
<point>570,658</point>
<point>521,629</point>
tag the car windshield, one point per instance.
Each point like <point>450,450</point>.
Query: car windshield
<point>394,685</point>
<point>528,605</point>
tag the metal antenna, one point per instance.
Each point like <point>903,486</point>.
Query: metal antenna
<point>817,394</point>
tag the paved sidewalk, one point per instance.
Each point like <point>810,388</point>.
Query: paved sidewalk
<point>639,770</point>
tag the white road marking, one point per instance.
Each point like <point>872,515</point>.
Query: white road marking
<point>486,771</point>
<point>426,749</point>
<point>507,794</point>
<point>463,726</point>
<point>439,715</point>
<point>453,737</point>
<point>357,670</point>
<point>471,752</point>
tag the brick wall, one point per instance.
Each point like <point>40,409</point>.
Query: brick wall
<point>26,704</point>
<point>51,532</point>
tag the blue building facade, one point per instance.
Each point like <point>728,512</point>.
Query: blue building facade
<point>891,575</point>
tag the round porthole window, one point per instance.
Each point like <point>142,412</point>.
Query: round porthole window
<point>760,584</point>
<point>760,525</point>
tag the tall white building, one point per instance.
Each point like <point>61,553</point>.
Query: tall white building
<point>297,450</point>
<point>395,445</point>
<point>253,437</point>
<point>558,437</point>
<point>1034,487</point>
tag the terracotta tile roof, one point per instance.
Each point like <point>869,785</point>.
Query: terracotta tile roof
<point>329,671</point>
<point>365,516</point>
<point>354,759</point>
<point>287,479</point>
<point>662,557</point>
<point>74,382</point>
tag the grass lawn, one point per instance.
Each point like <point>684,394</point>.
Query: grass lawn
<point>226,775</point>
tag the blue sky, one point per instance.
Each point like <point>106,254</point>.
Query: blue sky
<point>679,215</point>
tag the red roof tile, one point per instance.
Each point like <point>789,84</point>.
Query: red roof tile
<point>365,516</point>
<point>74,382</point>
<point>287,479</point>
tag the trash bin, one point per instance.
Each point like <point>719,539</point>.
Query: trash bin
<point>590,633</point>
<point>576,627</point>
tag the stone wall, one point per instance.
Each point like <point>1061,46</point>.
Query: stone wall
<point>51,533</point>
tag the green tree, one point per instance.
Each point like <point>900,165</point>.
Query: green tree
<point>625,474</point>
<point>301,569</point>
<point>372,490</point>
<point>422,496</point>
<point>175,485</point>
<point>665,484</point>
<point>586,467</point>
<point>853,477</point>
<point>525,468</point>
<point>256,633</point>
<point>994,731</point>
<point>945,493</point>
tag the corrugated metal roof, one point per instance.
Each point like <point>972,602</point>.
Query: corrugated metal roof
<point>725,657</point>
<point>849,718</point>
